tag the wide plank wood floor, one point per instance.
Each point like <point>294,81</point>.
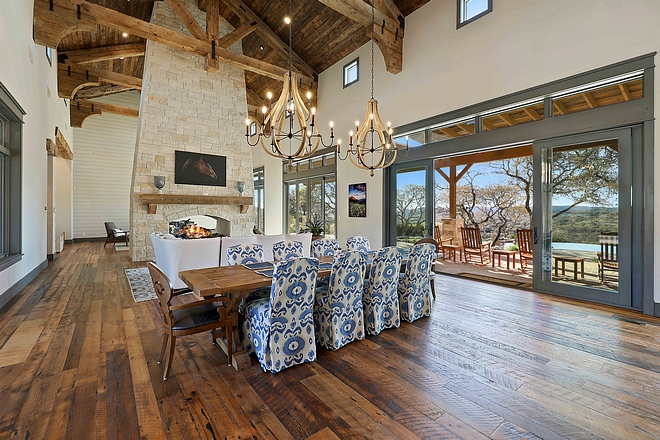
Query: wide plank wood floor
<point>78,360</point>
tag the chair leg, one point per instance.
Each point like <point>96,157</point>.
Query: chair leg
<point>106,242</point>
<point>168,364</point>
<point>230,343</point>
<point>433,286</point>
<point>166,337</point>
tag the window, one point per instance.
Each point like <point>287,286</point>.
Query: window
<point>253,129</point>
<point>352,72</point>
<point>471,10</point>
<point>49,55</point>
<point>310,193</point>
<point>258,177</point>
<point>11,127</point>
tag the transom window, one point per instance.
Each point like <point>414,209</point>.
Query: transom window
<point>352,72</point>
<point>470,10</point>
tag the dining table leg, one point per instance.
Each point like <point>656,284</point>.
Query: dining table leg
<point>240,358</point>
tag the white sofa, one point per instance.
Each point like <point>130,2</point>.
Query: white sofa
<point>267,241</point>
<point>174,255</point>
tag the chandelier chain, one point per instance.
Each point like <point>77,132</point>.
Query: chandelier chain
<point>290,37</point>
<point>373,35</point>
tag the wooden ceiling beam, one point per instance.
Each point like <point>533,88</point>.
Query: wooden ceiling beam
<point>212,32</point>
<point>487,125</point>
<point>108,17</point>
<point>590,100</point>
<point>239,8</point>
<point>103,53</point>
<point>560,106</point>
<point>449,132</point>
<point>486,156</point>
<point>82,109</point>
<point>187,19</point>
<point>237,34</point>
<point>389,8</point>
<point>254,99</point>
<point>466,127</point>
<point>102,90</point>
<point>624,91</point>
<point>532,113</point>
<point>508,119</point>
<point>388,33</point>
<point>63,148</point>
<point>72,77</point>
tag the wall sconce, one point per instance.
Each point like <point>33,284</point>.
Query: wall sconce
<point>159,182</point>
<point>240,186</point>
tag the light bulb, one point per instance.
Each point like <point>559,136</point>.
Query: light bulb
<point>350,133</point>
<point>338,141</point>
<point>270,95</point>
<point>287,20</point>
<point>387,146</point>
<point>332,124</point>
<point>309,95</point>
<point>357,123</point>
<point>125,34</point>
<point>388,123</point>
<point>313,110</point>
<point>406,138</point>
<point>264,109</point>
<point>371,116</point>
<point>247,122</point>
<point>309,133</point>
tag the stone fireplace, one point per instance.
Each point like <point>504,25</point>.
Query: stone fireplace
<point>184,107</point>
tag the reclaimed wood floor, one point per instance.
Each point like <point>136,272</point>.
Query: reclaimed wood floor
<point>78,361</point>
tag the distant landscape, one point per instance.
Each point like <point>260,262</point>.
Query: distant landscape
<point>583,224</point>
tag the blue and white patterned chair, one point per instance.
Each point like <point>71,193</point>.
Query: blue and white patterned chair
<point>338,314</point>
<point>324,247</point>
<point>380,299</point>
<point>280,329</point>
<point>245,253</point>
<point>358,243</point>
<point>286,250</point>
<point>415,285</point>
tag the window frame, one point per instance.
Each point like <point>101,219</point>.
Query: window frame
<point>459,8</point>
<point>344,69</point>
<point>259,186</point>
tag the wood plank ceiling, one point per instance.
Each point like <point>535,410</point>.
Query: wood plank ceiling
<point>321,37</point>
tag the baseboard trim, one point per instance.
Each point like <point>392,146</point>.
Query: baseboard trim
<point>51,257</point>
<point>656,309</point>
<point>10,293</point>
<point>80,240</point>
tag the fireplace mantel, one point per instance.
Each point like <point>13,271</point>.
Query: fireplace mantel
<point>153,200</point>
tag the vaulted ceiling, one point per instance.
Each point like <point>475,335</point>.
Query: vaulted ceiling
<point>324,31</point>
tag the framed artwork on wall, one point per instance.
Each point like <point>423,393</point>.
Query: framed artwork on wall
<point>357,200</point>
<point>200,169</point>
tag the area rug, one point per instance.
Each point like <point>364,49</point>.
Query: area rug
<point>141,285</point>
<point>494,280</point>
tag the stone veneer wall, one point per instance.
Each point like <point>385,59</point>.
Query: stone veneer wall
<point>184,107</point>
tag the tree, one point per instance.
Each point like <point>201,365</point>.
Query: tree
<point>410,206</point>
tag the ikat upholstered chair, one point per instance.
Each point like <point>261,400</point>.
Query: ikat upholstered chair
<point>324,247</point>
<point>280,329</point>
<point>245,253</point>
<point>286,250</point>
<point>338,314</point>
<point>358,243</point>
<point>188,318</point>
<point>380,299</point>
<point>415,298</point>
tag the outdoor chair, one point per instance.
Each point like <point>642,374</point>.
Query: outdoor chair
<point>473,247</point>
<point>608,257</point>
<point>358,243</point>
<point>286,250</point>
<point>437,252</point>
<point>280,329</point>
<point>380,299</point>
<point>439,239</point>
<point>525,247</point>
<point>414,285</point>
<point>189,318</point>
<point>114,234</point>
<point>338,314</point>
<point>244,254</point>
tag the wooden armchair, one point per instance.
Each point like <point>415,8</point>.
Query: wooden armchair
<point>473,247</point>
<point>439,239</point>
<point>114,234</point>
<point>189,318</point>
<point>525,247</point>
<point>608,257</point>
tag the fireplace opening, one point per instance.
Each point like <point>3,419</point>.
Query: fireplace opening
<point>200,226</point>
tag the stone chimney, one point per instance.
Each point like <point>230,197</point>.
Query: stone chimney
<point>184,107</point>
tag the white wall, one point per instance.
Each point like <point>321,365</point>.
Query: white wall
<point>64,198</point>
<point>517,46</point>
<point>102,169</point>
<point>273,189</point>
<point>28,76</point>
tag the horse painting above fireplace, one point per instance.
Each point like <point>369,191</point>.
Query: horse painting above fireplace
<point>200,169</point>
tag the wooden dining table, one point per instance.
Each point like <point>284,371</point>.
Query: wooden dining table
<point>235,282</point>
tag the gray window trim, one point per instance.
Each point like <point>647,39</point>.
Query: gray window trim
<point>460,24</point>
<point>343,72</point>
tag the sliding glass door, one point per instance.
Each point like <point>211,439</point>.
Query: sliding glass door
<point>583,219</point>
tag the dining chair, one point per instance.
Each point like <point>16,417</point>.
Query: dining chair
<point>414,285</point>
<point>608,257</point>
<point>280,329</point>
<point>338,314</point>
<point>379,298</point>
<point>189,318</point>
<point>358,243</point>
<point>525,248</point>
<point>324,247</point>
<point>435,257</point>
<point>286,250</point>
<point>245,253</point>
